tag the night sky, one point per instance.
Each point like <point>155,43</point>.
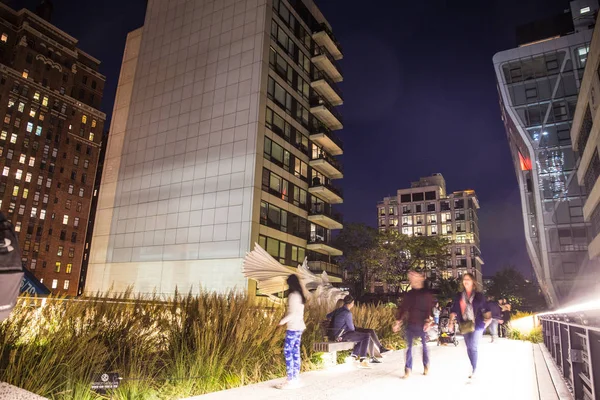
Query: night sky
<point>420,97</point>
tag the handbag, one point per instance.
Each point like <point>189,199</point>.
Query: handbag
<point>466,327</point>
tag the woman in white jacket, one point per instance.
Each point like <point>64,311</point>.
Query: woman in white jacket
<point>295,326</point>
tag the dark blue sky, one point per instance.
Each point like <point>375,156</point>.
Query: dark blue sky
<point>419,91</point>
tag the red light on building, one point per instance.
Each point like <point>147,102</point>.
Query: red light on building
<point>525,162</point>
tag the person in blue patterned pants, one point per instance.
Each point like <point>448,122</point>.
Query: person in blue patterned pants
<point>293,337</point>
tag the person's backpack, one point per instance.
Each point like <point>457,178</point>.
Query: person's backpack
<point>11,269</point>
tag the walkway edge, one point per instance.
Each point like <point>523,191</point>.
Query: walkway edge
<point>562,390</point>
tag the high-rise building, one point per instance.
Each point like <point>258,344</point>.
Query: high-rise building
<point>538,84</point>
<point>222,137</point>
<point>50,94</point>
<point>425,209</point>
<point>586,141</point>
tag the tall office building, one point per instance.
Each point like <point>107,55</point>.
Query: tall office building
<point>585,136</point>
<point>50,94</point>
<point>222,137</point>
<point>425,209</point>
<point>538,84</point>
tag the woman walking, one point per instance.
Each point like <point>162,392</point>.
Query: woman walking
<point>293,336</point>
<point>469,308</point>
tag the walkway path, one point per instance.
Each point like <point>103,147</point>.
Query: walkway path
<point>520,365</point>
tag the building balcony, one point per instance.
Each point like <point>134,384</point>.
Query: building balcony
<point>326,165</point>
<point>326,191</point>
<point>325,138</point>
<point>322,245</point>
<point>326,63</point>
<point>326,113</point>
<point>324,37</point>
<point>318,267</point>
<point>326,88</point>
<point>323,214</point>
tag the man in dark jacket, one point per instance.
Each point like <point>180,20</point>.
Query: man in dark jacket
<point>416,309</point>
<point>342,327</point>
<point>496,312</point>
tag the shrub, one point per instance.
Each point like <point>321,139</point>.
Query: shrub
<point>188,345</point>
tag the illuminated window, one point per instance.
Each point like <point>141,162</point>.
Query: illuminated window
<point>66,284</point>
<point>5,171</point>
<point>25,73</point>
<point>3,135</point>
<point>32,112</point>
<point>41,117</point>
<point>60,252</point>
<point>28,177</point>
<point>38,131</point>
<point>69,265</point>
<point>93,123</point>
<point>584,10</point>
<point>4,38</point>
<point>22,209</point>
<point>15,191</point>
<point>86,163</point>
<point>54,283</point>
<point>22,158</point>
<point>11,103</point>
<point>18,226</point>
<point>25,193</point>
<point>33,212</point>
<point>45,101</point>
<point>76,222</point>
<point>36,96</point>
<point>76,160</point>
<point>65,219</point>
<point>33,264</point>
<point>70,190</point>
<point>7,119</point>
<point>29,127</point>
<point>42,214</point>
<point>84,119</point>
<point>19,174</point>
<point>92,136</point>
<point>81,192</point>
<point>13,138</point>
<point>21,106</point>
<point>48,182</point>
<point>31,161</point>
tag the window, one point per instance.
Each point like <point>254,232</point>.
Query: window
<point>25,73</point>
<point>274,247</point>
<point>32,112</point>
<point>28,177</point>
<point>36,96</point>
<point>84,119</point>
<point>59,253</point>
<point>9,154</point>
<point>63,234</point>
<point>54,283</point>
<point>45,200</point>
<point>91,137</point>
<point>42,214</point>
<point>15,192</point>
<point>418,197</point>
<point>76,222</point>
<point>18,226</point>
<point>66,284</point>
<point>76,160</point>
<point>584,10</point>
<point>45,101</point>
<point>78,209</point>
<point>70,190</point>
<point>73,174</point>
<point>29,127</point>
<point>405,198</point>
<point>25,193</point>
<point>81,192</point>
<point>31,161</point>
<point>74,237</point>
<point>430,195</point>
<point>93,121</point>
<point>38,130</point>
<point>65,219</point>
<point>5,171</point>
<point>71,255</point>
<point>86,163</point>
<point>48,182</point>
<point>3,135</point>
<point>7,119</point>
<point>33,264</point>
<point>13,138</point>
<point>4,38</point>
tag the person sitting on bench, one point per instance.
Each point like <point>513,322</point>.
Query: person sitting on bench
<point>342,328</point>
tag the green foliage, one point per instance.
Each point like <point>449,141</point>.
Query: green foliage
<point>510,284</point>
<point>183,347</point>
<point>447,289</point>
<point>534,336</point>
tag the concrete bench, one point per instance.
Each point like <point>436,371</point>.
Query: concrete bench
<point>330,348</point>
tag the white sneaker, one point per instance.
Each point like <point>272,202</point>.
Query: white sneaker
<point>472,376</point>
<point>289,385</point>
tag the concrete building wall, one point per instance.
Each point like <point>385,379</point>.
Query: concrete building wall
<point>179,184</point>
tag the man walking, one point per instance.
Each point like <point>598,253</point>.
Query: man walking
<point>494,308</point>
<point>416,308</point>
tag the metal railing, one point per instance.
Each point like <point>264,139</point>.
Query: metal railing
<point>323,28</point>
<point>317,182</point>
<point>316,101</point>
<point>573,341</point>
<point>322,51</point>
<point>323,266</point>
<point>325,209</point>
<point>321,155</point>
<point>319,127</point>
<point>318,75</point>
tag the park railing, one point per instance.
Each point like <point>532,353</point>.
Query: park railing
<point>573,341</point>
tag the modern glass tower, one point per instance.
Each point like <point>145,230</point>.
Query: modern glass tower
<point>538,84</point>
<point>222,136</point>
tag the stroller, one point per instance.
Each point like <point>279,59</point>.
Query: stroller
<point>446,335</point>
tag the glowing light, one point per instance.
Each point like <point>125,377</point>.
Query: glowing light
<point>545,133</point>
<point>590,305</point>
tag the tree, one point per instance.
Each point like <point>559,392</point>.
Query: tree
<point>446,289</point>
<point>358,243</point>
<point>511,285</point>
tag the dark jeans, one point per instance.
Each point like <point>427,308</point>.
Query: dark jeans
<point>374,340</point>
<point>413,332</point>
<point>472,341</point>
<point>362,340</point>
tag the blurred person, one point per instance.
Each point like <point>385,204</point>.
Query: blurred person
<point>494,308</point>
<point>436,311</point>
<point>506,316</point>
<point>294,319</point>
<point>469,308</point>
<point>416,309</point>
<point>342,328</point>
